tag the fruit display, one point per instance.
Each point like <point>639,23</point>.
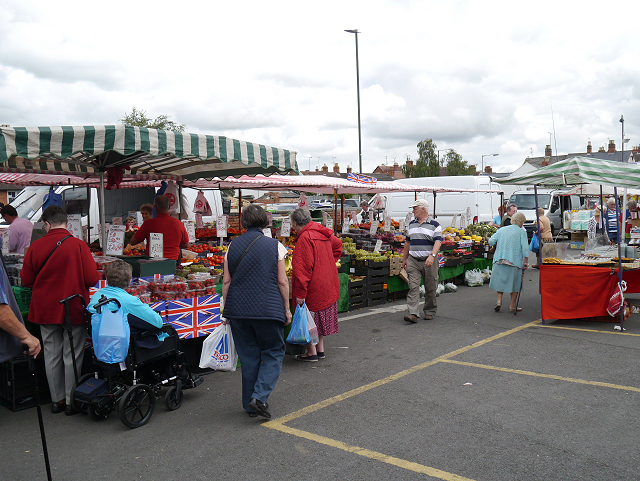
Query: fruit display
<point>136,250</point>
<point>366,255</point>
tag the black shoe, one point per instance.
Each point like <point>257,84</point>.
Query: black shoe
<point>69,411</point>
<point>252,414</point>
<point>57,407</point>
<point>321,354</point>
<point>412,318</point>
<point>260,407</point>
<point>307,358</point>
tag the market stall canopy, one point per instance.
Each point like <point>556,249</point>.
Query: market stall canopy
<point>581,170</point>
<point>149,153</point>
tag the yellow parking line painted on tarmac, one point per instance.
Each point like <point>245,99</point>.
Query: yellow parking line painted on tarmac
<point>401,463</point>
<point>617,333</point>
<point>401,374</point>
<point>548,376</point>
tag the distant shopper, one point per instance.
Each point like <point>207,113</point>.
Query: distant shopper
<point>315,277</point>
<point>509,260</point>
<point>594,226</point>
<point>147,212</point>
<point>630,214</point>
<point>545,235</point>
<point>174,234</point>
<point>511,210</point>
<point>611,220</point>
<point>497,220</point>
<point>130,229</point>
<point>57,266</point>
<point>19,229</point>
<point>420,259</point>
<point>255,290</point>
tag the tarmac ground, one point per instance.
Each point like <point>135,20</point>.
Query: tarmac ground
<point>472,394</point>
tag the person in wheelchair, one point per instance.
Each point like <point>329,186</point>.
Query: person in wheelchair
<point>140,316</point>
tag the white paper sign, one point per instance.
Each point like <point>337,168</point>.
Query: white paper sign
<point>345,226</point>
<point>401,225</point>
<point>106,228</point>
<point>116,220</point>
<point>354,217</point>
<point>407,218</point>
<point>115,240</point>
<point>191,230</point>
<point>156,244</point>
<point>267,231</point>
<point>374,227</point>
<point>74,225</point>
<point>387,222</point>
<point>378,246</point>
<point>329,223</point>
<point>468,218</point>
<point>5,242</point>
<point>199,223</point>
<point>221,225</point>
<point>285,230</point>
<point>269,219</point>
<point>324,218</point>
<point>453,220</point>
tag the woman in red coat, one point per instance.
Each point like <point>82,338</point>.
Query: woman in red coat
<point>315,277</point>
<point>56,275</point>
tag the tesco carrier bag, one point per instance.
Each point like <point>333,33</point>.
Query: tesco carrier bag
<point>219,351</point>
<point>110,332</point>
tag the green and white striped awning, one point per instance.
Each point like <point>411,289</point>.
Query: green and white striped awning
<point>581,170</point>
<point>149,153</point>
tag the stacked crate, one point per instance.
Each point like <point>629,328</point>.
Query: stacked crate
<point>377,276</point>
<point>395,265</point>
<point>16,383</point>
<point>357,293</point>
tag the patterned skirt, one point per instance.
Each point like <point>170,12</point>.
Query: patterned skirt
<point>327,320</point>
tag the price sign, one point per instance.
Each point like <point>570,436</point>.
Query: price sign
<point>468,217</point>
<point>156,244</point>
<point>5,242</point>
<point>378,246</point>
<point>387,222</point>
<point>401,225</point>
<point>137,216</point>
<point>191,230</point>
<point>221,225</point>
<point>199,224</point>
<point>269,219</point>
<point>74,225</point>
<point>85,233</point>
<point>345,226</point>
<point>285,230</point>
<point>116,220</point>
<point>407,219</point>
<point>329,223</point>
<point>115,240</point>
<point>267,231</point>
<point>106,229</point>
<point>374,227</point>
<point>354,217</point>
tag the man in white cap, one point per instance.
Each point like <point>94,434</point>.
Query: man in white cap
<point>420,259</point>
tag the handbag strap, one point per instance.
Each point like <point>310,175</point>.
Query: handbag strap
<point>245,252</point>
<point>54,249</point>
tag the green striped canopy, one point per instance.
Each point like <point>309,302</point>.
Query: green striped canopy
<point>149,153</point>
<point>581,170</point>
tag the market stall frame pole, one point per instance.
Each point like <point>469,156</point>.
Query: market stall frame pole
<point>335,209</point>
<point>615,194</point>
<point>434,203</point>
<point>103,233</point>
<point>539,236</point>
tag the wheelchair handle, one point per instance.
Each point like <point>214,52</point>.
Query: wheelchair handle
<point>103,301</point>
<point>66,300</point>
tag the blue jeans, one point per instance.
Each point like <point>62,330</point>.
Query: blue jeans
<point>260,347</point>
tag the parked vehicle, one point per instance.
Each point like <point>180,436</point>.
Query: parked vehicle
<point>483,206</point>
<point>554,203</point>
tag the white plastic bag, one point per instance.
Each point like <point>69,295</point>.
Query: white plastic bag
<point>450,287</point>
<point>201,205</point>
<point>473,278</point>
<point>486,274</point>
<point>172,194</point>
<point>219,351</point>
<point>313,330</point>
<point>439,289</point>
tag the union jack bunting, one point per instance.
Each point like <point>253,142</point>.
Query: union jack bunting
<point>440,260</point>
<point>146,280</point>
<point>160,307</point>
<point>362,179</point>
<point>97,287</point>
<point>194,317</point>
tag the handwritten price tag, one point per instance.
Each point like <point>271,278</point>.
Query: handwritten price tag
<point>374,227</point>
<point>285,230</point>
<point>221,225</point>
<point>74,225</point>
<point>378,246</point>
<point>191,230</point>
<point>345,226</point>
<point>156,244</point>
<point>199,224</point>
<point>329,223</point>
<point>267,231</point>
<point>401,225</point>
<point>387,222</point>
<point>269,219</point>
<point>5,243</point>
<point>115,240</point>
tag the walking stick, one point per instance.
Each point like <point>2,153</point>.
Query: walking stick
<point>519,292</point>
<point>34,376</point>
<point>67,326</point>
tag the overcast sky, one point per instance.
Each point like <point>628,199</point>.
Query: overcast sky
<point>480,77</point>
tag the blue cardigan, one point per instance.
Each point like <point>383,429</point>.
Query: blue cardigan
<point>511,245</point>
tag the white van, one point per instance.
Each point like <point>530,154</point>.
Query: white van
<point>118,203</point>
<point>483,206</point>
<point>554,203</point>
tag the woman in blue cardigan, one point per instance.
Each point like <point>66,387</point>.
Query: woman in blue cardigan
<point>509,260</point>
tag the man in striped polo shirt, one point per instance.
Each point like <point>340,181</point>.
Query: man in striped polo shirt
<point>420,259</point>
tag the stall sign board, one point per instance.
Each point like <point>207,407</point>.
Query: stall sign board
<point>329,223</point>
<point>378,246</point>
<point>115,240</point>
<point>387,222</point>
<point>345,226</point>
<point>191,230</point>
<point>74,225</point>
<point>156,244</point>
<point>374,227</point>
<point>199,223</point>
<point>116,220</point>
<point>221,225</point>
<point>285,229</point>
<point>5,242</point>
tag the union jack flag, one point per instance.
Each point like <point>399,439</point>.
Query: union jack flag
<point>440,260</point>
<point>146,280</point>
<point>194,317</point>
<point>97,287</point>
<point>362,179</point>
<point>160,307</point>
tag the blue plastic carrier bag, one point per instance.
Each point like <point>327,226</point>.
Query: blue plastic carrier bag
<point>52,198</point>
<point>299,333</point>
<point>110,332</point>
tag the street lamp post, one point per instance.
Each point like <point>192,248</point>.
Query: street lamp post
<point>355,31</point>
<point>483,156</point>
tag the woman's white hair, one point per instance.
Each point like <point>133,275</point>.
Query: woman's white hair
<point>518,219</point>
<point>611,200</point>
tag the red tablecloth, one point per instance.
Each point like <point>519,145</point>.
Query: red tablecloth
<point>574,292</point>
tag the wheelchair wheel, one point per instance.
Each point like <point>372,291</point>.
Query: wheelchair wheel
<point>136,405</point>
<point>173,400</point>
<point>79,406</point>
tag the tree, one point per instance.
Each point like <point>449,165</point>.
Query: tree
<point>427,164</point>
<point>138,118</point>
<point>456,165</point>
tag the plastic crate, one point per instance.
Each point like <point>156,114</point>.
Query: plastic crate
<point>16,383</point>
<point>23,297</point>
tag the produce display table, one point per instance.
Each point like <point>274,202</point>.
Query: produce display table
<point>396,284</point>
<point>578,292</point>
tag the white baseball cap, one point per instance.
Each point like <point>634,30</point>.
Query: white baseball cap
<point>420,203</point>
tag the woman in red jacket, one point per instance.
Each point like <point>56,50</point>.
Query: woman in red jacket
<point>315,277</point>
<point>57,266</point>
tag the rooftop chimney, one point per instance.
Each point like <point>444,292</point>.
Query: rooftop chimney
<point>349,170</point>
<point>487,170</point>
<point>409,163</point>
<point>472,168</point>
<point>612,147</point>
<point>600,149</point>
<point>547,151</point>
<point>325,168</point>
<point>546,161</point>
<point>336,168</point>
<point>589,147</point>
